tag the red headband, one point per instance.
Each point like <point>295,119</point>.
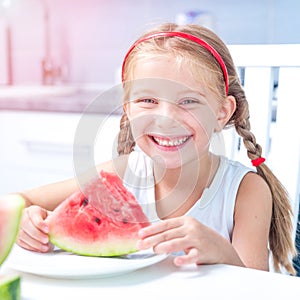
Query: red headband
<point>187,36</point>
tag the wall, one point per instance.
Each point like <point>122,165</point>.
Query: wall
<point>88,38</point>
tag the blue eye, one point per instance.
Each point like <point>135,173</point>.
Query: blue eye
<point>188,101</point>
<point>147,100</point>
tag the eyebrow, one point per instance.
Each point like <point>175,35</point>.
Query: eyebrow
<point>142,91</point>
<point>151,92</point>
<point>192,92</point>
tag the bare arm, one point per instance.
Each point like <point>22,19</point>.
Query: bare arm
<point>253,212</point>
<point>50,195</point>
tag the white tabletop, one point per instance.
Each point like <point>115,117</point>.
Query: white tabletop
<point>163,280</point>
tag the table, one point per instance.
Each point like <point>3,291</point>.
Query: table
<point>164,280</point>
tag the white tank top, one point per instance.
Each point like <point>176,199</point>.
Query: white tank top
<point>214,209</point>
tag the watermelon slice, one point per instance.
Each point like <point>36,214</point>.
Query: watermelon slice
<point>11,207</point>
<point>102,220</point>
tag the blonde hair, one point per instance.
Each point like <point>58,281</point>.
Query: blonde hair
<point>207,69</point>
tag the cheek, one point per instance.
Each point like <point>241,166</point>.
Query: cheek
<point>139,125</point>
<point>204,123</point>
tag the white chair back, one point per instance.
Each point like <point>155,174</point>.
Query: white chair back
<point>271,78</point>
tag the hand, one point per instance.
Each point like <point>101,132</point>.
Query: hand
<point>33,233</point>
<point>201,244</point>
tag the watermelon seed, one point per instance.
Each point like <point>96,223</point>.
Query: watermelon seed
<point>116,209</point>
<point>125,221</point>
<point>85,202</point>
<point>97,220</point>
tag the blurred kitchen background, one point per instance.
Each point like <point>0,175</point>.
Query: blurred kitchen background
<point>83,41</point>
<point>60,72</point>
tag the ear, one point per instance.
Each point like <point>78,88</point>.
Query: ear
<point>225,112</point>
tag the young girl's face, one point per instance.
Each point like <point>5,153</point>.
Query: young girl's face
<point>172,115</point>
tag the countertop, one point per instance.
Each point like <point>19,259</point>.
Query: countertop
<point>70,99</point>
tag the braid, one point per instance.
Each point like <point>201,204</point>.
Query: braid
<point>281,243</point>
<point>125,139</point>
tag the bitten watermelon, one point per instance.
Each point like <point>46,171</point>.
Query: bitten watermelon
<point>102,220</point>
<point>11,207</point>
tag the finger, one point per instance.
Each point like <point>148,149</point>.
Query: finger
<point>172,245</point>
<point>165,241</point>
<point>29,229</point>
<point>37,217</point>
<point>38,248</point>
<point>26,241</point>
<point>159,227</point>
<point>191,257</point>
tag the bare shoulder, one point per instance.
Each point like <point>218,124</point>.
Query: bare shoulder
<point>253,184</point>
<point>254,193</point>
<point>252,220</point>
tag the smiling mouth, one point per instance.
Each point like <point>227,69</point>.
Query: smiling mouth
<point>170,142</point>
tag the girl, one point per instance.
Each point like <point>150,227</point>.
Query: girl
<point>180,88</point>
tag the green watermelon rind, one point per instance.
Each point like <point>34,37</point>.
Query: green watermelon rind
<point>10,287</point>
<point>95,249</point>
<point>9,231</point>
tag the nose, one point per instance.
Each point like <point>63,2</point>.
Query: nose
<point>167,115</point>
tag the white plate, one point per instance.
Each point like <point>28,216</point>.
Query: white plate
<point>61,264</point>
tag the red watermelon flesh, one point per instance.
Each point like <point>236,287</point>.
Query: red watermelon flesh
<point>102,220</point>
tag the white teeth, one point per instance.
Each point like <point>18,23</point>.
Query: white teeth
<point>170,143</point>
